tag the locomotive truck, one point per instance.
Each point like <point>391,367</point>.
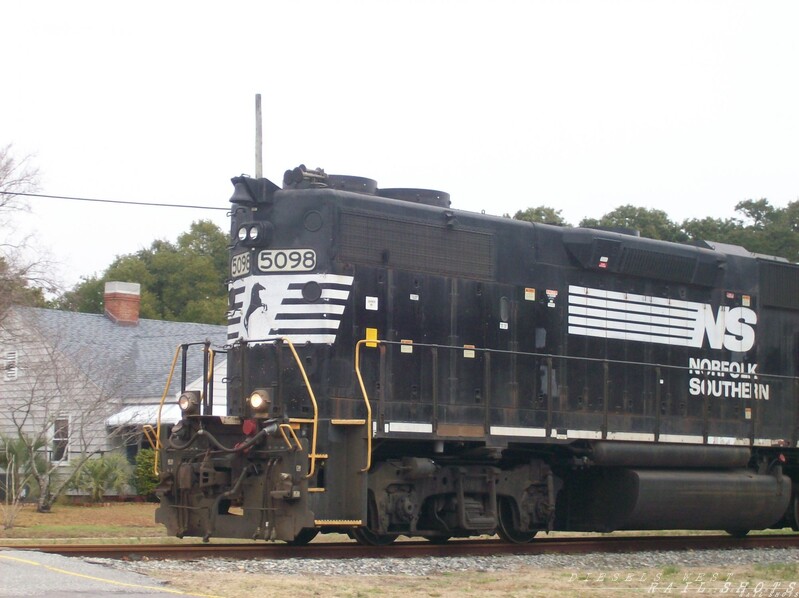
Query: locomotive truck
<point>399,367</point>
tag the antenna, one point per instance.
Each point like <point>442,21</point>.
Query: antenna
<point>258,138</point>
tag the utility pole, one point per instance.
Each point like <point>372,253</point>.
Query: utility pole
<point>258,138</point>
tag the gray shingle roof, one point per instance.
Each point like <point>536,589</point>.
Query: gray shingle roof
<point>136,357</point>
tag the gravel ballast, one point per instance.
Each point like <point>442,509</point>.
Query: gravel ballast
<point>437,565</point>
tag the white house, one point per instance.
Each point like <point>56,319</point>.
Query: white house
<point>90,382</point>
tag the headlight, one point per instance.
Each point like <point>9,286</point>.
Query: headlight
<point>189,402</point>
<point>255,233</point>
<point>260,400</point>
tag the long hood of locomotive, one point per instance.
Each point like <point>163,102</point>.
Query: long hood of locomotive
<point>612,336</point>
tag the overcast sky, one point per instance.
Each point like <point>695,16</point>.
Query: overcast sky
<point>689,107</point>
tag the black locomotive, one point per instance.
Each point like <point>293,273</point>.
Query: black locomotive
<point>397,367</point>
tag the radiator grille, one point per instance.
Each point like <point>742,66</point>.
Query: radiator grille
<point>779,285</point>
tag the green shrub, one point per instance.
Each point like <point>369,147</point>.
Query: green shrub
<point>144,478</point>
<point>98,476</point>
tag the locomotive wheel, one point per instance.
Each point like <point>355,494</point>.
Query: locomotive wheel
<point>508,526</point>
<point>306,535</point>
<point>437,539</point>
<point>364,535</point>
<point>793,513</point>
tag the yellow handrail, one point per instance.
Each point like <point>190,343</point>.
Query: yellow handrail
<point>312,456</point>
<point>160,407</point>
<point>366,401</point>
<point>210,376</point>
<point>209,380</point>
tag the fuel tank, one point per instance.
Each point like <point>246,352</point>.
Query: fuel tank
<point>635,499</point>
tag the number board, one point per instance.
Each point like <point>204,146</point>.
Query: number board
<point>240,265</point>
<point>287,260</point>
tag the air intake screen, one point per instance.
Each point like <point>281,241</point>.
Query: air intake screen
<point>779,285</point>
<point>641,262</point>
<point>416,246</point>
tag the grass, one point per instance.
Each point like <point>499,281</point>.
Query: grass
<point>117,521</point>
<point>783,571</point>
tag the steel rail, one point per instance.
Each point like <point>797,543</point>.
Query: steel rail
<point>460,548</point>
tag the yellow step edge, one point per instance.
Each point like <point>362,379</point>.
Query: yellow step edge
<point>338,522</point>
<point>348,422</point>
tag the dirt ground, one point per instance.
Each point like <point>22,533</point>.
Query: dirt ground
<point>134,522</point>
<point>776,580</point>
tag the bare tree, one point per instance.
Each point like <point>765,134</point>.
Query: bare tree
<point>16,176</point>
<point>55,407</point>
<point>18,273</point>
<point>16,477</point>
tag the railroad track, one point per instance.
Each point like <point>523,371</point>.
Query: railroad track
<point>346,550</point>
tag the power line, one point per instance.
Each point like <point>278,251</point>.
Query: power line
<point>116,201</point>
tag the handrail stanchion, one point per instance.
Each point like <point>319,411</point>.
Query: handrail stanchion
<point>161,405</point>
<point>312,456</point>
<point>366,401</point>
<point>209,381</point>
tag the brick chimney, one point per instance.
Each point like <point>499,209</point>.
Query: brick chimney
<point>122,302</point>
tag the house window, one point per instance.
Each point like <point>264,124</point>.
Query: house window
<point>61,439</point>
<point>10,366</point>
